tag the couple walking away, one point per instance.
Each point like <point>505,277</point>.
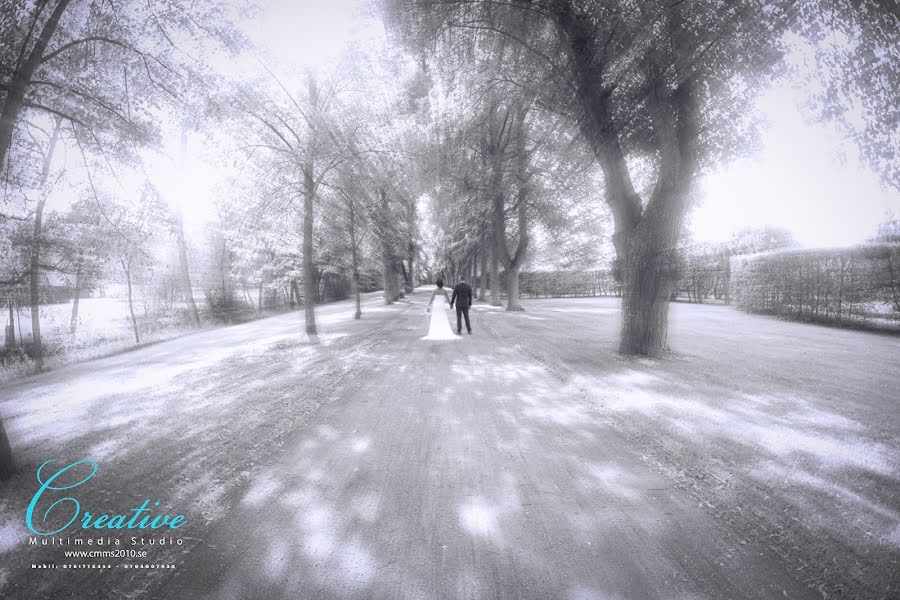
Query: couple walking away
<point>440,324</point>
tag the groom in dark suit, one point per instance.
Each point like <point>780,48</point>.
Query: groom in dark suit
<point>462,297</point>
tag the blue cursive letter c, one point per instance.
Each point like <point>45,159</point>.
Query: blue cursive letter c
<point>48,485</point>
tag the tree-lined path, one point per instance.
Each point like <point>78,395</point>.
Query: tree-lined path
<point>367,463</point>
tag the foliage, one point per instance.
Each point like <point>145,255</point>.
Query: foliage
<point>705,268</point>
<point>664,84</point>
<point>845,286</point>
<point>563,284</point>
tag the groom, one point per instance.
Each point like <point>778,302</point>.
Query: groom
<point>462,296</point>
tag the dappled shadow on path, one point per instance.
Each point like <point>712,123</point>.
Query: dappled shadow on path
<point>186,423</point>
<point>460,477</point>
<point>785,431</point>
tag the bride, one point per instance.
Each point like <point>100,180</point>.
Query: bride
<point>440,325</point>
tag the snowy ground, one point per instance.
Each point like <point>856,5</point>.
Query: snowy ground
<point>525,461</point>
<point>103,327</point>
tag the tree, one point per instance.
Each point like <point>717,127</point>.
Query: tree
<point>86,252</point>
<point>130,225</point>
<point>35,267</point>
<point>301,144</point>
<point>889,229</point>
<point>7,463</point>
<point>351,217</point>
<point>97,71</point>
<point>656,81</point>
<point>103,66</point>
<point>181,243</point>
<point>761,239</point>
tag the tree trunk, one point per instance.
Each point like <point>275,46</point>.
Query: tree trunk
<point>7,464</point>
<point>482,288</point>
<point>473,277</point>
<point>391,281</point>
<point>10,341</point>
<point>259,297</point>
<point>411,273</point>
<point>126,267</point>
<point>495,278</point>
<point>185,271</point>
<point>188,289</point>
<point>387,257</point>
<point>309,276</point>
<point>512,263</point>
<point>354,258</point>
<point>648,279</point>
<point>386,273</point>
<point>73,324</point>
<point>22,78</point>
<point>645,237</point>
<point>37,350</point>
<point>356,295</point>
<point>512,289</point>
<point>309,279</point>
<point>411,257</point>
<point>35,266</point>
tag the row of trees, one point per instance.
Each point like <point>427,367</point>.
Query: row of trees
<point>95,96</point>
<point>655,92</point>
<point>83,87</point>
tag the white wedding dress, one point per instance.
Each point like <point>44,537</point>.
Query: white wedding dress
<point>439,328</point>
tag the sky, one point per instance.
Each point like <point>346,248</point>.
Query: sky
<point>304,32</point>
<point>798,181</point>
<point>301,34</point>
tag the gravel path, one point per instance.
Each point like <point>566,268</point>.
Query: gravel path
<point>372,464</point>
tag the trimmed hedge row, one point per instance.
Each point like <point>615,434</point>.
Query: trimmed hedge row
<point>859,285</point>
<point>558,284</point>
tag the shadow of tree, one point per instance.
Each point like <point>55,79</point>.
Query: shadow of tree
<point>415,486</point>
<point>783,430</point>
<point>184,422</point>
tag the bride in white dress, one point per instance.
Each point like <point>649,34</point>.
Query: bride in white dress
<point>440,325</point>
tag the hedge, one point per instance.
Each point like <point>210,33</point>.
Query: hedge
<point>858,285</point>
<point>559,284</point>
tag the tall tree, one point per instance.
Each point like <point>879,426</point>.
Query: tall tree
<point>37,349</point>
<point>310,282</point>
<point>86,250</point>
<point>181,243</point>
<point>7,463</point>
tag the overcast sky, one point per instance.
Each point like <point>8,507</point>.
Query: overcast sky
<point>798,181</point>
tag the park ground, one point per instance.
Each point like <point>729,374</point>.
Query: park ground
<point>528,460</point>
